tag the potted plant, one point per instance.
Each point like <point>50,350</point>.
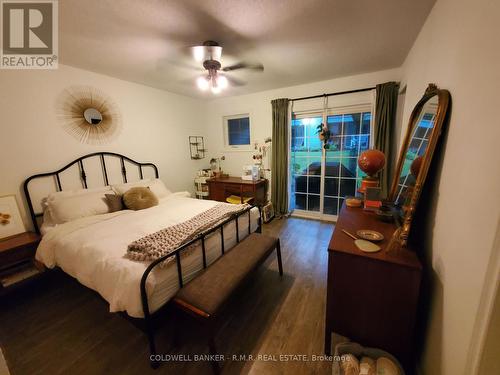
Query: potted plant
<point>324,135</point>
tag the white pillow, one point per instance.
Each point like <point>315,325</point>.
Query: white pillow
<point>48,221</point>
<point>156,185</point>
<point>69,208</point>
<point>120,189</point>
<point>159,189</point>
<point>70,193</point>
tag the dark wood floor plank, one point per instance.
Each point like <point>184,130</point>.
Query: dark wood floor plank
<point>58,326</point>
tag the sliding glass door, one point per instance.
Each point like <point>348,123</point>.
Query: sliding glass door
<point>306,163</point>
<point>322,178</point>
<point>350,136</point>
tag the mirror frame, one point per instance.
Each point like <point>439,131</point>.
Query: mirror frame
<point>400,236</point>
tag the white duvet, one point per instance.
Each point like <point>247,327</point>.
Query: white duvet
<point>92,250</point>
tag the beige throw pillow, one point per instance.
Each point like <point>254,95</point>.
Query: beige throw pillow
<point>139,198</point>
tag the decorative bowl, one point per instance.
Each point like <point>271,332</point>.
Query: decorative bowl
<point>370,235</point>
<point>353,202</point>
<point>384,215</point>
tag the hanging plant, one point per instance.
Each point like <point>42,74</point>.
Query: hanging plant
<point>324,135</point>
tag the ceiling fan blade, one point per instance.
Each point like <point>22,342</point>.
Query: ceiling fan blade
<point>235,82</point>
<point>242,65</point>
<point>166,64</point>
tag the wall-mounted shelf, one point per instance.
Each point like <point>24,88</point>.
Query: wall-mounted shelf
<point>197,147</point>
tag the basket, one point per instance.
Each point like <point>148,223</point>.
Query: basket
<point>361,351</point>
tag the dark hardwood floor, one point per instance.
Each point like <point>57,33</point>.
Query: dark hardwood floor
<point>57,326</point>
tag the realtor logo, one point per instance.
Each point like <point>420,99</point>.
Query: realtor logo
<point>29,34</point>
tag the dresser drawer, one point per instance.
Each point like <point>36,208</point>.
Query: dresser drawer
<point>239,187</point>
<point>232,188</point>
<point>248,187</point>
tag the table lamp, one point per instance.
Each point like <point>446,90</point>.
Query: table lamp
<point>370,162</point>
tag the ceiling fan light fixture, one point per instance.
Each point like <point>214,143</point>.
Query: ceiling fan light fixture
<point>202,83</point>
<point>216,89</point>
<point>199,53</point>
<point>214,52</point>
<point>209,55</point>
<point>222,81</point>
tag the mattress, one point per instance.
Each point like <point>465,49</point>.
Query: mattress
<point>93,249</point>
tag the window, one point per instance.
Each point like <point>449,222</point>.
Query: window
<point>237,131</point>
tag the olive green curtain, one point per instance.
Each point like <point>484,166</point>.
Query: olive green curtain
<point>385,123</point>
<point>279,163</point>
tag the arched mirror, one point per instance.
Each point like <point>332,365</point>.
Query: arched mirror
<point>415,152</point>
<point>415,157</point>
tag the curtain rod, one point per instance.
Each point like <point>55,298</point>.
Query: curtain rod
<point>333,94</point>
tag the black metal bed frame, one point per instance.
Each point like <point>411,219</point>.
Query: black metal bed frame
<point>148,316</point>
<point>177,254</point>
<point>83,176</point>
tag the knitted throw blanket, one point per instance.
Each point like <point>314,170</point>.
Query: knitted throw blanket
<point>165,241</point>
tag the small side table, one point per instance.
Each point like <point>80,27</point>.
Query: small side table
<point>17,259</point>
<point>201,185</point>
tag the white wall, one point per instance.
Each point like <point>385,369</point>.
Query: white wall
<point>489,363</point>
<point>458,50</point>
<point>156,126</point>
<point>258,105</point>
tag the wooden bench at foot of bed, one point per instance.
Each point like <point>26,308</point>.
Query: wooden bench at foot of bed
<point>205,296</point>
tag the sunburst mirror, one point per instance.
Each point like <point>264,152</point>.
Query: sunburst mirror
<point>89,115</point>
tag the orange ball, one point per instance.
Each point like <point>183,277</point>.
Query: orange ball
<point>415,166</point>
<point>371,161</point>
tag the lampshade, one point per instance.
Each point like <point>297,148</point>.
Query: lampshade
<point>216,89</point>
<point>202,83</point>
<point>222,81</point>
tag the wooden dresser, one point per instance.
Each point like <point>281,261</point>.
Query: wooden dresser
<point>221,188</point>
<point>371,297</point>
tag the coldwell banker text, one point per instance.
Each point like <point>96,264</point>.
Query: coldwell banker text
<point>29,34</point>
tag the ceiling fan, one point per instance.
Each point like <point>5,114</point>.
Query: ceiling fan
<point>210,54</point>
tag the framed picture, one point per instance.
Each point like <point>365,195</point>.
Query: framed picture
<point>10,217</point>
<point>267,212</point>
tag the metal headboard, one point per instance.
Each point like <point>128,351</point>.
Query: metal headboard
<point>83,176</point>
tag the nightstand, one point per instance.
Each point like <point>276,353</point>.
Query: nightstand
<point>17,259</point>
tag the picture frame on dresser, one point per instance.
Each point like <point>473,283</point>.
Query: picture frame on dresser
<point>11,222</point>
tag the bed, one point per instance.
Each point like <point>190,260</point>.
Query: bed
<point>92,248</point>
